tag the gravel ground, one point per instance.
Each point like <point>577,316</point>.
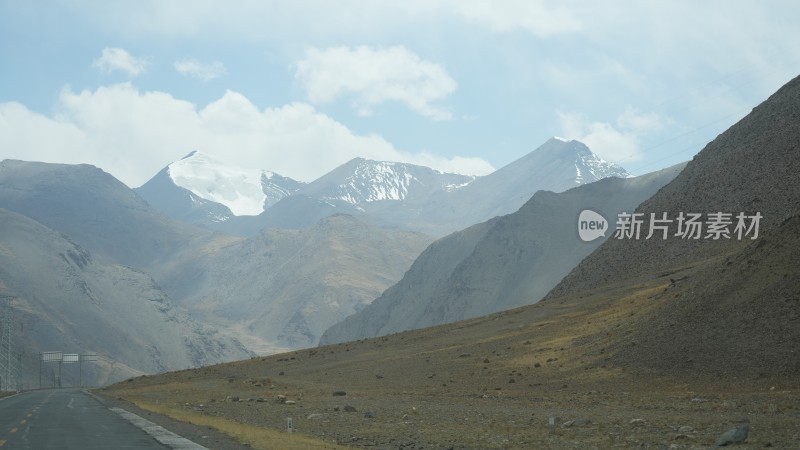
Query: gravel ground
<point>491,383</point>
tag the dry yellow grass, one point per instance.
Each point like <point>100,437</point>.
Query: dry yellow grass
<point>260,438</point>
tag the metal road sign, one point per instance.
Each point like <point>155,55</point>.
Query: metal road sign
<point>52,356</point>
<point>65,358</point>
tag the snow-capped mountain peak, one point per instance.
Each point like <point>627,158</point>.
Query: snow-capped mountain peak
<point>363,181</point>
<point>237,188</point>
<point>375,180</point>
<point>590,168</point>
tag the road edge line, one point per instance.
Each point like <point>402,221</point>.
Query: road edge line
<point>158,432</point>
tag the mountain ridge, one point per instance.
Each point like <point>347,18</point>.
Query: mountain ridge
<point>506,262</point>
<point>283,287</point>
<point>732,303</point>
<point>392,194</point>
<point>94,209</point>
<point>63,298</point>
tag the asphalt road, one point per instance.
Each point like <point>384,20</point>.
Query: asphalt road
<point>66,419</point>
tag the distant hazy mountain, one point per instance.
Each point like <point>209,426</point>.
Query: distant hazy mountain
<point>506,262</point>
<point>282,288</point>
<point>62,298</point>
<point>557,165</point>
<point>734,305</point>
<point>202,191</point>
<point>317,275</point>
<point>94,209</point>
<point>387,194</point>
<point>362,182</point>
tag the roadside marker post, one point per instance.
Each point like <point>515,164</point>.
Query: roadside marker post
<point>289,427</point>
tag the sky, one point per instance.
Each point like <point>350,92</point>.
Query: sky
<point>299,87</point>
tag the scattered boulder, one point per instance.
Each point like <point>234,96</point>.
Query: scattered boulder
<point>339,393</point>
<point>349,408</point>
<point>735,435</point>
<point>576,423</point>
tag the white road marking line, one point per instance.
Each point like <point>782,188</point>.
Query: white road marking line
<point>160,433</point>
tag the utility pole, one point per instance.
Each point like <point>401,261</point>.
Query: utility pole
<point>8,364</point>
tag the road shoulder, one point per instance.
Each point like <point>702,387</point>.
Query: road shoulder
<point>202,435</point>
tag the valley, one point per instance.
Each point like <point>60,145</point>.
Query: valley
<point>425,225</point>
<point>492,382</point>
<point>662,343</point>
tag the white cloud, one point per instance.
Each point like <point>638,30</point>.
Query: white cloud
<point>201,71</point>
<point>640,122</point>
<point>620,142</point>
<point>117,59</point>
<point>532,16</point>
<point>133,134</point>
<point>371,76</point>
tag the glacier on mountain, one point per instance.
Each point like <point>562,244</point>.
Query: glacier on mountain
<point>237,188</point>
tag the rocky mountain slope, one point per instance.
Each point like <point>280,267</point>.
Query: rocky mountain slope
<point>507,262</point>
<point>94,209</point>
<point>63,299</point>
<point>741,312</point>
<point>282,288</point>
<point>279,289</point>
